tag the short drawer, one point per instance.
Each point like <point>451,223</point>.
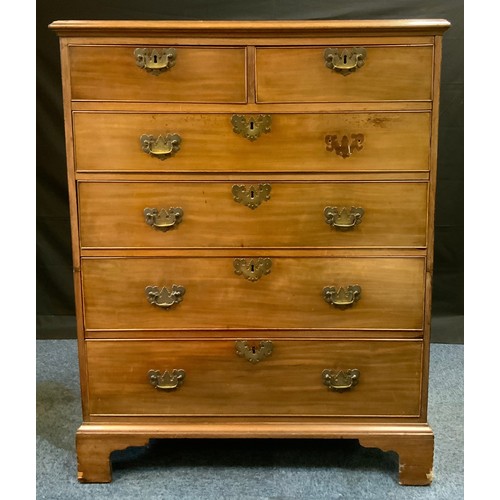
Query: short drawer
<point>381,74</point>
<point>266,214</point>
<point>295,142</point>
<point>379,378</point>
<point>200,74</point>
<point>253,292</point>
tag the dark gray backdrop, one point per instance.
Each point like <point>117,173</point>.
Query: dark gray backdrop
<point>55,300</point>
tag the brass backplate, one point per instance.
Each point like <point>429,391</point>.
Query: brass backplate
<point>251,196</point>
<point>343,218</point>
<point>342,297</point>
<point>253,269</point>
<point>163,220</point>
<point>341,380</point>
<point>251,127</point>
<point>253,353</point>
<point>346,60</point>
<point>155,60</point>
<point>165,297</point>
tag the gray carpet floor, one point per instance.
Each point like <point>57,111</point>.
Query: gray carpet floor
<point>242,469</point>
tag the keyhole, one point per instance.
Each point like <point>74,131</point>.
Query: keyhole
<point>251,124</point>
<point>252,194</point>
<point>252,268</point>
<point>253,349</point>
<point>155,59</point>
<point>345,59</point>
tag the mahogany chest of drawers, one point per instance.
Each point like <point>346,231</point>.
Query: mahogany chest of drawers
<point>252,210</point>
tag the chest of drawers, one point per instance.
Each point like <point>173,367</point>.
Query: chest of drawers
<point>252,211</point>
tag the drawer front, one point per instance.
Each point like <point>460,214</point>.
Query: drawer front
<point>360,214</point>
<point>199,75</point>
<point>217,381</point>
<point>301,75</point>
<point>291,295</point>
<point>296,142</point>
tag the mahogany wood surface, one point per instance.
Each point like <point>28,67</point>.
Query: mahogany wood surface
<point>112,215</point>
<point>392,141</point>
<point>219,382</point>
<point>252,68</point>
<point>199,75</point>
<point>388,73</point>
<point>289,297</point>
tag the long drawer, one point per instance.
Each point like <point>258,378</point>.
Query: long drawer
<point>295,142</point>
<point>255,292</point>
<point>275,214</point>
<point>379,378</point>
<point>301,74</point>
<point>199,74</point>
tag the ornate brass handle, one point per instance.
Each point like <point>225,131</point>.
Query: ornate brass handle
<point>251,196</point>
<point>254,354</point>
<point>340,380</point>
<point>345,61</point>
<point>343,218</point>
<point>345,148</point>
<point>252,127</point>
<point>166,381</point>
<point>161,147</point>
<point>155,61</point>
<point>164,297</point>
<point>341,297</point>
<point>254,269</point>
<point>163,220</point>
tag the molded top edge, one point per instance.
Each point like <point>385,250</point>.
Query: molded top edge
<point>249,28</point>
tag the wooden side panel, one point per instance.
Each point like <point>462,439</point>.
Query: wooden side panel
<point>389,73</point>
<point>218,381</point>
<point>289,297</point>
<point>296,142</point>
<point>200,74</point>
<point>112,215</point>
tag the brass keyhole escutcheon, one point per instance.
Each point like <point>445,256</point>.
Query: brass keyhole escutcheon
<point>251,196</point>
<point>252,269</point>
<point>253,353</point>
<point>252,127</point>
<point>344,60</point>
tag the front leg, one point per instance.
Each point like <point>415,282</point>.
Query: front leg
<point>416,455</point>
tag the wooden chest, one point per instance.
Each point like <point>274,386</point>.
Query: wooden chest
<point>252,211</point>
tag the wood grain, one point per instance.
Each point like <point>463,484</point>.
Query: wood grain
<point>220,382</point>
<point>111,215</point>
<point>389,73</point>
<point>392,141</point>
<point>279,67</point>
<point>289,297</point>
<point>199,75</point>
<point>296,29</point>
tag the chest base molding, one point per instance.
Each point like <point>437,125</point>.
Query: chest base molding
<point>414,443</point>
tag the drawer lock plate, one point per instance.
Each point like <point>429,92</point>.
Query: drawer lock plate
<point>254,354</point>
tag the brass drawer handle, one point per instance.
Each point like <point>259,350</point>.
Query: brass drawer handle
<point>345,61</point>
<point>341,297</point>
<point>343,218</point>
<point>252,353</point>
<point>155,61</point>
<point>254,269</point>
<point>161,147</point>
<point>166,381</point>
<point>163,297</point>
<point>341,380</point>
<point>251,196</point>
<point>163,220</point>
<point>344,148</point>
<point>252,127</point>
